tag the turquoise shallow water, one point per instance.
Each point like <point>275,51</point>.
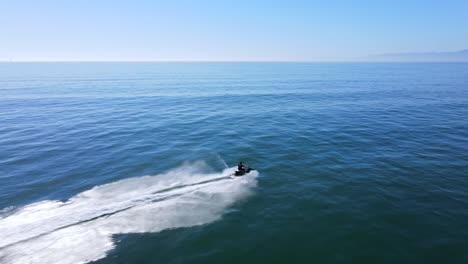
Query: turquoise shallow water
<point>358,163</point>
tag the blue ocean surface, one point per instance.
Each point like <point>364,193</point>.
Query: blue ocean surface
<point>129,162</point>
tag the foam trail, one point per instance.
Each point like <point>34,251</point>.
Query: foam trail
<point>80,230</point>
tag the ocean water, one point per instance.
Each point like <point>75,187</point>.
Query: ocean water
<point>127,162</point>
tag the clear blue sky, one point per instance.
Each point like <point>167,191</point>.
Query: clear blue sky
<point>227,30</point>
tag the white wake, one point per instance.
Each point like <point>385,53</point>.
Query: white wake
<point>80,230</point>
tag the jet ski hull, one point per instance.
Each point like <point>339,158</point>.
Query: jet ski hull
<point>242,173</point>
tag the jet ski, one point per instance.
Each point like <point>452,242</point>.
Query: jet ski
<point>243,172</point>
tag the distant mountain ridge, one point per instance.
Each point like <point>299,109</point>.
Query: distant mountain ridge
<point>455,56</point>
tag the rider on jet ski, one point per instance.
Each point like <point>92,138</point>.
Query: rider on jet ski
<point>241,168</point>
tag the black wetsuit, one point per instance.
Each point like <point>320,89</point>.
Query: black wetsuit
<point>241,168</point>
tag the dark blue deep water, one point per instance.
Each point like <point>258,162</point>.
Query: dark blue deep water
<point>113,162</point>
